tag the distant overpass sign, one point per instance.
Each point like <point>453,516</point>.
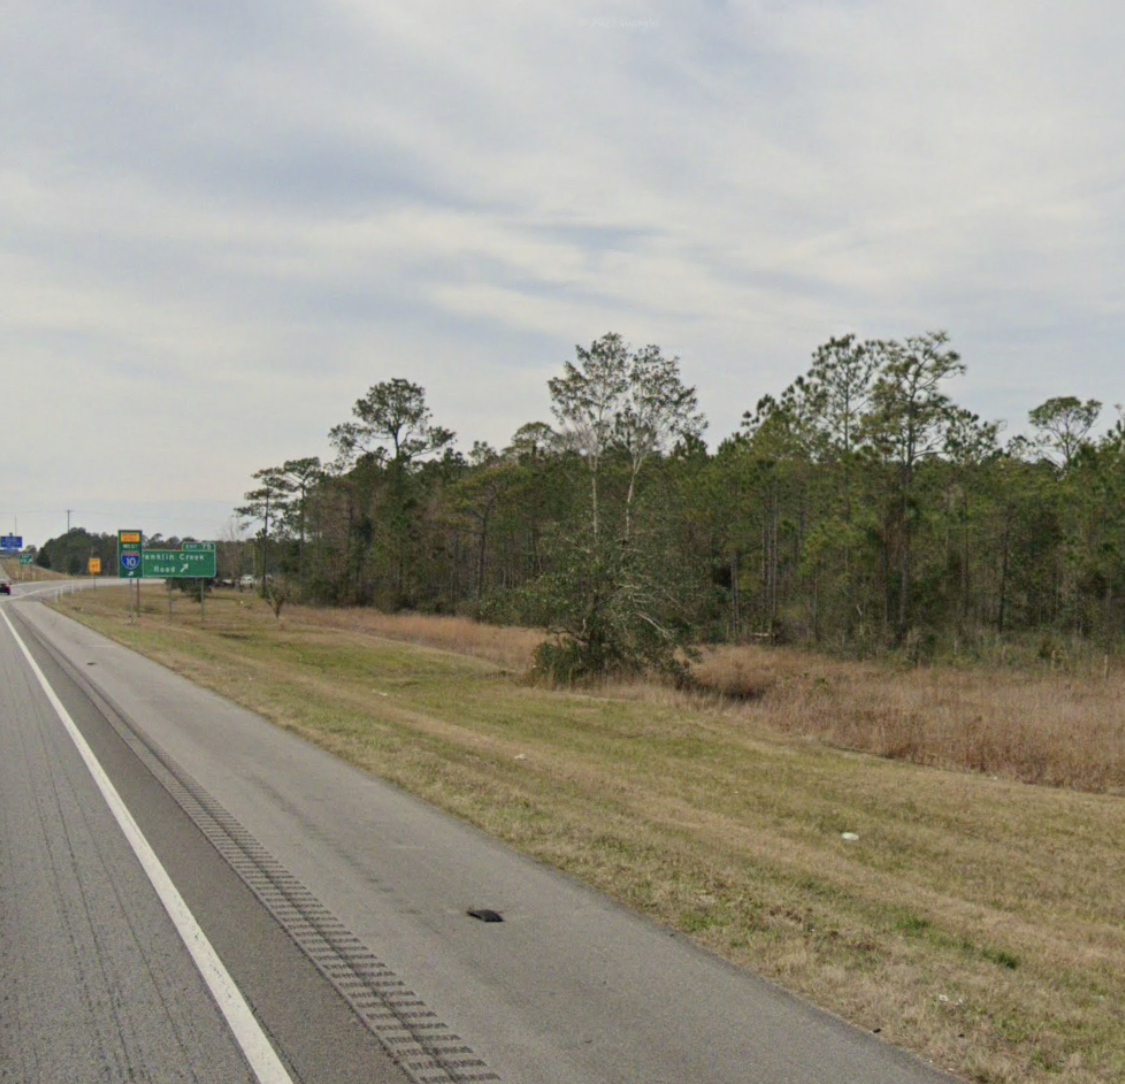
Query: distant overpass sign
<point>11,543</point>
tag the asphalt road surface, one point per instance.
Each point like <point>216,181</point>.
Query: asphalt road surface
<point>294,920</point>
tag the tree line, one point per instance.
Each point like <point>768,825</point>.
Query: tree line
<point>859,509</point>
<point>70,553</point>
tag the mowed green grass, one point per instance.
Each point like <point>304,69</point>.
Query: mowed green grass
<point>976,921</point>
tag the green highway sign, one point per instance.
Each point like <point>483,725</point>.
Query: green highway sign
<point>26,558</point>
<point>207,546</point>
<point>129,547</point>
<point>179,564</point>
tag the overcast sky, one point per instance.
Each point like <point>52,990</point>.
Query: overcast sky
<point>222,221</point>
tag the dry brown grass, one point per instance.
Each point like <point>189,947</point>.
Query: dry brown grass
<point>1036,727</point>
<point>1039,727</point>
<point>508,647</point>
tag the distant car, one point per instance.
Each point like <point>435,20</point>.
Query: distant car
<point>246,581</point>
<point>5,587</point>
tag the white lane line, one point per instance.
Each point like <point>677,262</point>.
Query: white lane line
<point>247,1032</point>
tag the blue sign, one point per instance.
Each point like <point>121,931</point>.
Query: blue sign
<point>11,542</point>
<point>130,561</point>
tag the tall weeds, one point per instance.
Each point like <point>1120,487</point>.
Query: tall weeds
<point>509,647</point>
<point>1038,725</point>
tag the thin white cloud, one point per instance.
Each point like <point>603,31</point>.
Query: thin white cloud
<point>294,201</point>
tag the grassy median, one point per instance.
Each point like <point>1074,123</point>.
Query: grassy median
<point>965,915</point>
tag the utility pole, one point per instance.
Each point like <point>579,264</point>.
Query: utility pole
<point>68,511</point>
